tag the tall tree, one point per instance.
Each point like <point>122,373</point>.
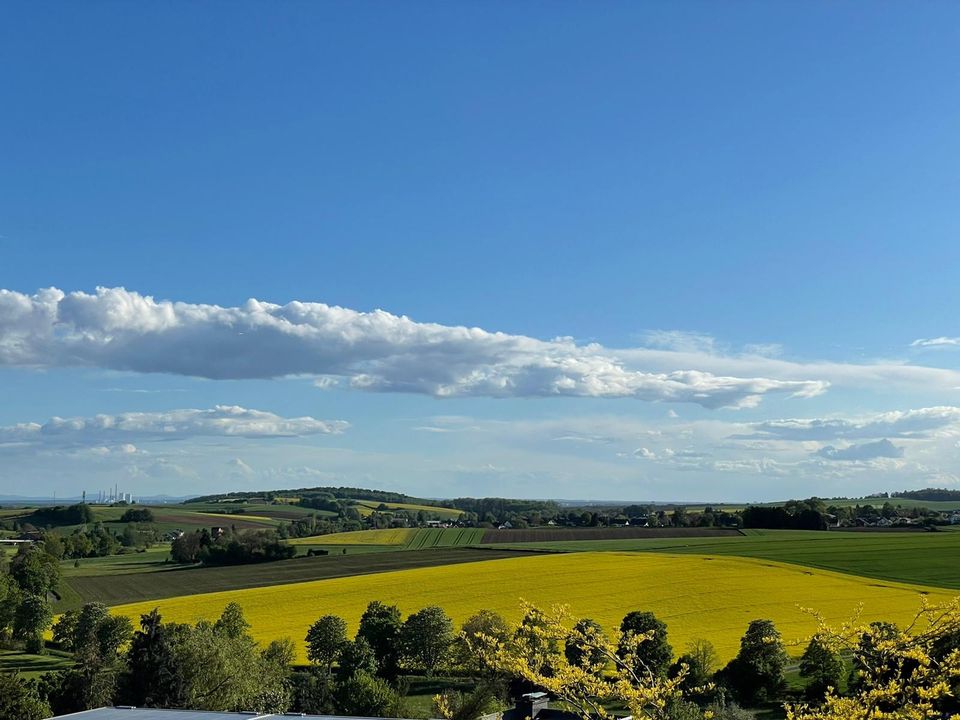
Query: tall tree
<point>479,634</point>
<point>644,640</point>
<point>580,645</point>
<point>426,637</point>
<point>32,617</point>
<point>822,666</point>
<point>756,673</point>
<point>153,677</point>
<point>325,639</point>
<point>380,626</point>
<point>35,572</point>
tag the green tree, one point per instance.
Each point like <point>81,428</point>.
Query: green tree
<point>153,677</point>
<point>355,657</point>
<point>581,646</point>
<point>9,601</point>
<point>822,666</point>
<point>653,653</point>
<point>756,673</point>
<point>232,622</point>
<point>313,692</point>
<point>369,696</point>
<point>224,669</point>
<point>426,637</point>
<point>380,626</point>
<point>325,639</point>
<point>478,636</point>
<point>53,544</point>
<point>34,571</point>
<point>19,699</point>
<point>33,616</point>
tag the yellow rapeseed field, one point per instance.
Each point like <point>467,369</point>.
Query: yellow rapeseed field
<point>697,596</point>
<point>394,536</point>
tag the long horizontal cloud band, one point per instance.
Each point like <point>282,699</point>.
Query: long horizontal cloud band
<point>121,330</point>
<point>220,421</point>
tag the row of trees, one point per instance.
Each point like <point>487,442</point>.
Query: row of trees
<point>210,665</point>
<point>230,548</point>
<point>908,673</point>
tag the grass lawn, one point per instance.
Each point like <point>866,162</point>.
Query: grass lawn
<point>928,558</point>
<point>32,666</point>
<point>148,561</point>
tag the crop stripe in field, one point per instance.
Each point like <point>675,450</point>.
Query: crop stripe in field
<point>135,587</point>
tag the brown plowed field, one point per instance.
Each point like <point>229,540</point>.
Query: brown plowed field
<point>626,533</point>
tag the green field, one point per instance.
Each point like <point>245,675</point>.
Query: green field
<point>117,588</point>
<point>929,558</point>
<point>150,560</point>
<point>32,666</point>
<point>408,538</point>
<point>366,507</point>
<point>445,537</point>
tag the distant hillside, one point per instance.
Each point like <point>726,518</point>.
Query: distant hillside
<point>341,493</point>
<point>931,494</point>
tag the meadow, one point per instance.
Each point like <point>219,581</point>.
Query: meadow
<point>698,597</point>
<point>366,507</point>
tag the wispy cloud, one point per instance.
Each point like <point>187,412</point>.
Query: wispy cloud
<point>937,342</point>
<point>374,351</point>
<point>897,424</point>
<point>865,451</point>
<point>106,431</point>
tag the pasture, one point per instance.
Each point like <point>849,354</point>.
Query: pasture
<point>698,597</point>
<point>928,558</point>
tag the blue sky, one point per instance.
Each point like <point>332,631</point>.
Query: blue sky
<point>739,218</point>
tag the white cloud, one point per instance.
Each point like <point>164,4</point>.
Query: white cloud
<point>865,451</point>
<point>376,351</point>
<point>884,375</point>
<point>936,342</point>
<point>922,422</point>
<point>114,432</point>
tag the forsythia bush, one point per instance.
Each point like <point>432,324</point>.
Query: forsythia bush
<point>901,674</point>
<point>910,673</point>
<point>600,672</point>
